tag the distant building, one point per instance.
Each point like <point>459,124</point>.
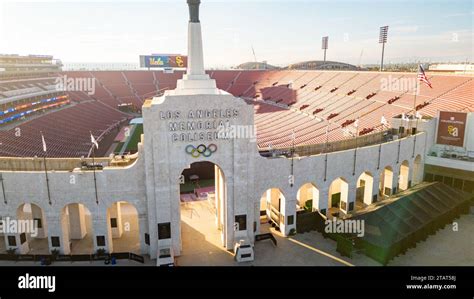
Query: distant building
<point>16,66</point>
<point>452,68</point>
<point>256,66</point>
<point>91,66</point>
<point>322,65</point>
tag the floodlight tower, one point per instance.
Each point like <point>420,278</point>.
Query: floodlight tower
<point>325,45</point>
<point>383,40</point>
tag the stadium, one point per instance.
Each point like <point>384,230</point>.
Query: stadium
<point>144,163</point>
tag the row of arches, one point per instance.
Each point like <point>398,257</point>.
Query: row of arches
<point>74,230</point>
<point>338,198</point>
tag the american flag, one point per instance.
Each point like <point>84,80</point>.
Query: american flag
<point>422,76</point>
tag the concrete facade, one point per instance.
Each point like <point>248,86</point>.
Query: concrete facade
<point>151,183</point>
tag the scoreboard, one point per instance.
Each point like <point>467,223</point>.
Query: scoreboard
<point>163,61</point>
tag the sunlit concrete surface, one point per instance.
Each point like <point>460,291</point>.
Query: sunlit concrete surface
<point>38,246</point>
<point>86,244</point>
<point>130,240</point>
<point>202,245</point>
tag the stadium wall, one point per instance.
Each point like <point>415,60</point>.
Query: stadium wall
<point>128,183</point>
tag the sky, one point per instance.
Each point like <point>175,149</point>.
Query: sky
<point>280,32</point>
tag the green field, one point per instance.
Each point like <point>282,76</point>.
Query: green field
<point>118,148</point>
<point>132,140</point>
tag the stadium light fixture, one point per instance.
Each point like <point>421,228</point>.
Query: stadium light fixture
<point>383,40</point>
<point>324,45</point>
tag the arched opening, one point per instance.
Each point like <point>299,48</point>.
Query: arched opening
<point>338,197</point>
<point>307,197</point>
<point>364,190</point>
<point>386,182</point>
<point>417,171</point>
<point>203,208</point>
<point>124,227</point>
<point>77,232</point>
<point>271,204</point>
<point>32,229</point>
<point>404,176</point>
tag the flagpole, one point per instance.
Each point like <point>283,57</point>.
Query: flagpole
<point>292,158</point>
<point>47,179</point>
<point>414,98</point>
<point>416,122</point>
<point>94,143</point>
<point>380,145</point>
<point>3,189</point>
<point>45,167</point>
<point>95,179</point>
<point>355,150</point>
<point>326,151</point>
<point>398,153</point>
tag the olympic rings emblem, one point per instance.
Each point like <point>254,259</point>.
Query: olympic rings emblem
<point>201,149</point>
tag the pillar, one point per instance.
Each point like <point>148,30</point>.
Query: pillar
<point>77,221</point>
<point>375,188</point>
<point>393,181</point>
<point>59,230</point>
<point>322,204</point>
<point>102,232</point>
<point>287,215</point>
<point>368,189</point>
<point>351,195</point>
<point>228,229</point>
<point>116,213</point>
<point>142,229</point>
<point>222,204</point>
<point>37,213</point>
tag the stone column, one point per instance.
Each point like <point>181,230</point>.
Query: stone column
<point>142,230</point>
<point>375,188</point>
<point>346,193</point>
<point>195,54</point>
<point>393,181</point>
<point>116,213</point>
<point>77,220</point>
<point>102,231</point>
<point>38,213</point>
<point>288,213</point>
<point>59,228</point>
<point>351,196</point>
<point>322,204</point>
